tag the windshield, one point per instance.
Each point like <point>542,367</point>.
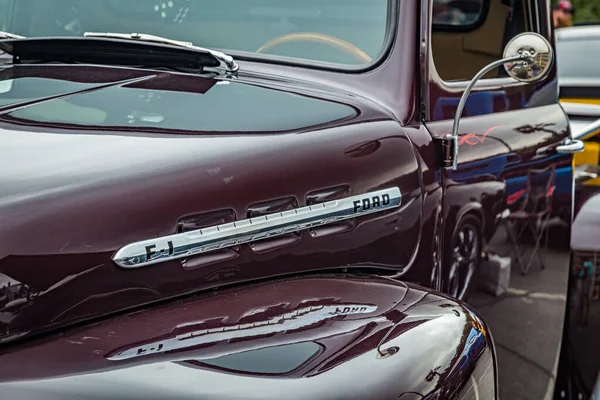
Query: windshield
<point>349,32</point>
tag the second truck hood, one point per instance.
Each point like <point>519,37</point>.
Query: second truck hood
<point>318,337</point>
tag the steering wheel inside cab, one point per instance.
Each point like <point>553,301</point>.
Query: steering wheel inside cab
<point>175,12</point>
<point>315,37</point>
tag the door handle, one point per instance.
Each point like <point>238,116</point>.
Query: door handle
<point>570,146</point>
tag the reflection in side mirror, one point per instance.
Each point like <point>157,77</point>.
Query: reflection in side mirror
<point>536,55</point>
<point>527,58</point>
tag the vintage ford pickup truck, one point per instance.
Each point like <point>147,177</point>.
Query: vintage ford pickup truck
<point>321,137</point>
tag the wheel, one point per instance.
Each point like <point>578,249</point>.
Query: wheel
<point>463,258</point>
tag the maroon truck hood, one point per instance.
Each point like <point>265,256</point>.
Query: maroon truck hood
<point>116,111</point>
<point>100,98</point>
<point>319,337</point>
<point>94,158</point>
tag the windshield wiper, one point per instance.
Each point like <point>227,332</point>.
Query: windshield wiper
<point>8,35</point>
<point>226,59</point>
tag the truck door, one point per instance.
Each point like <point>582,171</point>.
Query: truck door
<point>508,137</point>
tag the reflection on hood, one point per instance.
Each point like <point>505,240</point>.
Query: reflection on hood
<point>160,102</point>
<point>287,322</point>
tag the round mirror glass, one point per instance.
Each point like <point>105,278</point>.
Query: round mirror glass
<point>539,57</point>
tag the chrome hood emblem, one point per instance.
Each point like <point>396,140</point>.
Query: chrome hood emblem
<point>181,245</point>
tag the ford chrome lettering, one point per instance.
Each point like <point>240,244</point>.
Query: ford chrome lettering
<point>217,237</point>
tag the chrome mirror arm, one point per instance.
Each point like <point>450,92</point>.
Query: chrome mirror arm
<point>526,58</point>
<point>463,99</point>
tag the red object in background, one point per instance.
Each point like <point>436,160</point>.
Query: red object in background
<point>564,5</point>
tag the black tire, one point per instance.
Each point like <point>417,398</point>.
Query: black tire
<point>462,258</point>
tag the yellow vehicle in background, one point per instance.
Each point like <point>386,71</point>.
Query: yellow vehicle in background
<point>578,65</point>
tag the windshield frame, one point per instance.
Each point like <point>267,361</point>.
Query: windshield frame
<point>393,16</point>
<point>392,21</point>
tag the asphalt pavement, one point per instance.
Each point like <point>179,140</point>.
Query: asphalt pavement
<point>526,321</point>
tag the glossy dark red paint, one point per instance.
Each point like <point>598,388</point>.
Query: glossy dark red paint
<point>163,179</point>
<point>326,336</point>
<point>88,171</point>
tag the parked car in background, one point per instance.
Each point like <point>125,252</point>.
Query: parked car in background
<point>583,302</point>
<point>578,75</point>
<point>579,80</point>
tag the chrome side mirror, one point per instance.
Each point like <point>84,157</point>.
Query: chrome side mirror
<point>527,58</point>
<point>535,57</point>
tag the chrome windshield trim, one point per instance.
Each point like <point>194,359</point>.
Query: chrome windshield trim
<point>8,35</point>
<point>181,245</point>
<point>226,59</point>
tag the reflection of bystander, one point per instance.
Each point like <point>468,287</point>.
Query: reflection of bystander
<point>446,14</point>
<point>586,278</point>
<point>562,14</point>
<point>9,293</point>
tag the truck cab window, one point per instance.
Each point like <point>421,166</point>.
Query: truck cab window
<point>469,34</point>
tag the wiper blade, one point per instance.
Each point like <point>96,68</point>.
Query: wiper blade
<point>226,59</point>
<point>8,35</point>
